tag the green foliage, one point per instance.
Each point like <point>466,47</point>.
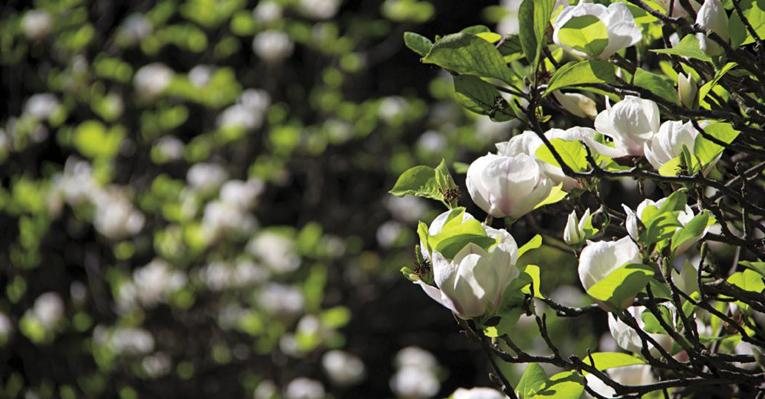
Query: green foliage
<point>467,54</point>
<point>620,286</point>
<point>534,18</point>
<point>579,73</point>
<point>424,181</point>
<point>608,360</point>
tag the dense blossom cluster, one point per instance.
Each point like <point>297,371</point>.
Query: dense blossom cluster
<point>650,268</point>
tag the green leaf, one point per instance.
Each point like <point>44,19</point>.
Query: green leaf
<point>620,286</point>
<point>573,153</point>
<point>417,43</point>
<point>708,86</point>
<point>507,321</point>
<point>754,12</point>
<point>93,140</point>
<point>748,280</point>
<point>577,73</point>
<point>419,181</point>
<point>532,380</point>
<point>556,195</point>
<point>657,84</point>
<point>534,17</point>
<point>468,54</point>
<point>481,97</point>
<point>705,150</point>
<point>456,233</point>
<point>534,243</point>
<point>533,272</point>
<point>691,231</point>
<point>672,167</point>
<point>652,324</point>
<point>687,47</point>
<point>564,385</point>
<point>758,265</point>
<point>586,34</point>
<point>610,360</point>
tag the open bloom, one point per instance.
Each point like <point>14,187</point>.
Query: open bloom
<point>668,143</point>
<point>507,185</point>
<point>683,218</point>
<point>617,20</point>
<point>598,259</point>
<point>472,282</point>
<point>713,19</point>
<point>630,123</point>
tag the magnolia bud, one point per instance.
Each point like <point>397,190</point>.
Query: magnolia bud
<point>713,19</point>
<point>686,90</point>
<point>577,230</point>
<point>577,104</point>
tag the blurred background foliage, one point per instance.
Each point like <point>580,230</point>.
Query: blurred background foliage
<point>193,200</point>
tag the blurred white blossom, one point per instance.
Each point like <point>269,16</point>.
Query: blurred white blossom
<point>280,299</point>
<point>272,46</point>
<point>267,11</point>
<point>343,368</point>
<point>304,388</point>
<point>48,310</point>
<point>41,106</point>
<point>115,217</point>
<point>206,177</point>
<point>319,9</point>
<point>36,24</point>
<point>152,79</point>
<point>275,251</point>
<point>155,281</point>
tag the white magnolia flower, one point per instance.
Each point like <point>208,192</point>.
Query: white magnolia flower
<point>529,143</point>
<point>135,28</point>
<point>618,21</point>
<point>125,340</point>
<point>76,184</point>
<point>575,231</point>
<point>241,194</point>
<point>633,227</point>
<point>248,112</point>
<point>48,310</point>
<point>598,259</point>
<point>432,142</point>
<point>477,393</point>
<point>414,383</point>
<point>389,232</point>
<point>200,75</point>
<point>668,143</point>
<point>713,19</point>
<point>577,104</point>
<point>36,24</point>
<point>267,12</point>
<point>415,357</point>
<point>636,375</point>
<point>206,177</point>
<point>507,185</point>
<point>155,281</point>
<point>115,217</point>
<point>304,388</point>
<point>319,9</point>
<point>630,123</point>
<point>170,148</point>
<point>41,106</point>
<point>343,368</point>
<point>509,25</point>
<point>6,328</point>
<point>157,364</point>
<point>472,283</point>
<point>275,251</point>
<point>628,339</point>
<point>273,46</point>
<point>407,209</point>
<point>221,217</point>
<point>280,299</point>
<point>265,390</point>
<point>152,79</point>
<point>686,90</point>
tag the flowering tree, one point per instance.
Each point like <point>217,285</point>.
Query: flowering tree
<point>663,95</point>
